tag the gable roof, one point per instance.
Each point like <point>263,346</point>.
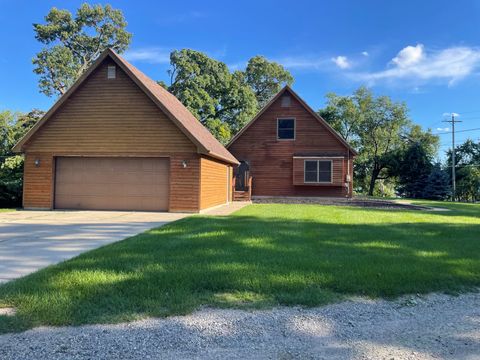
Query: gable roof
<point>306,106</point>
<point>168,103</point>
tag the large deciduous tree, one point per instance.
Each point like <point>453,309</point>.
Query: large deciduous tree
<point>266,78</point>
<point>72,43</point>
<point>222,100</point>
<point>374,125</point>
<point>218,98</point>
<point>467,163</point>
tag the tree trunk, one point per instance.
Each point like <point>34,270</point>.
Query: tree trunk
<point>373,179</point>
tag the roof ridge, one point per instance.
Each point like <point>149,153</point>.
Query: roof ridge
<point>204,140</point>
<point>306,106</point>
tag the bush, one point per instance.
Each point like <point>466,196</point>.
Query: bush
<point>11,182</point>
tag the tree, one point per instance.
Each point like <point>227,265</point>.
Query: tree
<point>374,125</point>
<point>266,78</point>
<point>12,127</point>
<point>343,113</point>
<point>467,153</point>
<point>467,156</point>
<point>413,167</point>
<point>11,181</point>
<point>412,162</point>
<point>219,99</point>
<point>74,42</point>
<point>438,184</point>
<point>468,184</point>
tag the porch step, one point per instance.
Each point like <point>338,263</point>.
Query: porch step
<point>241,196</point>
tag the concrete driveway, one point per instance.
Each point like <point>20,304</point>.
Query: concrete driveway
<point>30,240</point>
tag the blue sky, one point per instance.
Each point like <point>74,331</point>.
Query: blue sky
<point>426,53</point>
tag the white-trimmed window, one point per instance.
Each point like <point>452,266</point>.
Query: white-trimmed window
<point>318,171</point>
<point>286,129</point>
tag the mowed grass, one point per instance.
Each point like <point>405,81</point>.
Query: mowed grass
<point>263,255</point>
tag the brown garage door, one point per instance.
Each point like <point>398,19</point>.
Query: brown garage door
<point>112,183</point>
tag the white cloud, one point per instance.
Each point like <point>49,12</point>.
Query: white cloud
<point>161,55</point>
<point>408,56</point>
<point>443,129</point>
<point>365,53</point>
<point>152,55</point>
<point>342,62</point>
<point>303,62</point>
<point>418,65</point>
<point>450,114</point>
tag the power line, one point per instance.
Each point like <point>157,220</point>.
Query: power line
<point>458,131</point>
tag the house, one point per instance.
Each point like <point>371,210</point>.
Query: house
<point>289,150</point>
<point>116,140</point>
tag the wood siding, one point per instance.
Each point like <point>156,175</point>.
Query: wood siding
<point>271,160</point>
<point>185,183</point>
<point>38,181</point>
<point>109,115</point>
<point>109,118</point>
<point>214,183</point>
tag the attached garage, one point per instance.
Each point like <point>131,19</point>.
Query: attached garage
<point>116,140</point>
<point>107,183</point>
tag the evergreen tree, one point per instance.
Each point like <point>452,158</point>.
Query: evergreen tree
<point>413,170</point>
<point>438,184</point>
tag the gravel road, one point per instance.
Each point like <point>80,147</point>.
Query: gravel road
<point>431,327</point>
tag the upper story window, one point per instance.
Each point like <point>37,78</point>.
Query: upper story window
<point>286,129</point>
<point>285,101</point>
<point>111,72</point>
<point>318,171</point>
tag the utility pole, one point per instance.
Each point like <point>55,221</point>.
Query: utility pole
<point>452,121</point>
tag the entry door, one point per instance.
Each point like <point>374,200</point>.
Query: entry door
<point>111,183</point>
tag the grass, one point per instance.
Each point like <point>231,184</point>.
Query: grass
<point>261,256</point>
<point>7,210</point>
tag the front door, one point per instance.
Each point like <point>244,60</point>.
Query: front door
<point>241,176</point>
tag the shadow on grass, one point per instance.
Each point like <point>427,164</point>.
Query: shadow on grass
<point>245,261</point>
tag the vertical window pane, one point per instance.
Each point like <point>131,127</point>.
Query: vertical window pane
<point>325,171</point>
<point>311,171</point>
<point>286,128</point>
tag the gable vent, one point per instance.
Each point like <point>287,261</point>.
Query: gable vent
<point>111,72</point>
<point>286,101</point>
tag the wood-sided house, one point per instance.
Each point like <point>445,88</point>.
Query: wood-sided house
<point>116,140</point>
<point>289,150</point>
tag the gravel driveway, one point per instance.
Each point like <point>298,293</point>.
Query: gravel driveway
<point>432,327</point>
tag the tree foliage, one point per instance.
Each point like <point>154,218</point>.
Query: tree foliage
<point>468,183</point>
<point>438,184</point>
<point>222,100</point>
<point>72,43</point>
<point>467,163</point>
<point>413,167</point>
<point>374,125</point>
<point>13,127</point>
<point>266,78</point>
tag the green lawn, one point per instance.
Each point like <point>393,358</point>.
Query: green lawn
<point>263,255</point>
<point>6,210</point>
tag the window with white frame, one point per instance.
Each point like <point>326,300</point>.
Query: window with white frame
<point>318,171</point>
